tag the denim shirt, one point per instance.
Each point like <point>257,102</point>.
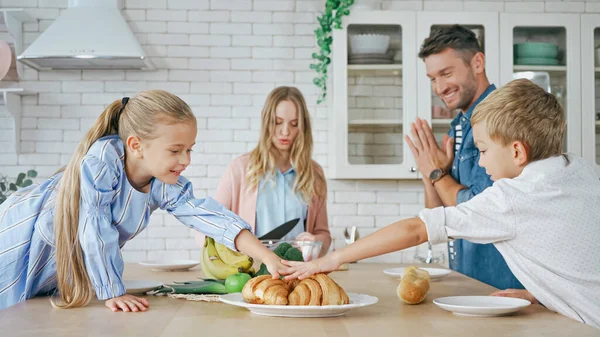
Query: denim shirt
<point>482,262</point>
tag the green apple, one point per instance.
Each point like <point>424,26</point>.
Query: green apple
<point>235,283</point>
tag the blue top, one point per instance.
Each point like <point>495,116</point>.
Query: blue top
<point>277,203</point>
<point>481,262</point>
<point>111,213</point>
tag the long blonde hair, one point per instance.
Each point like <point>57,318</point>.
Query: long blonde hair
<point>138,117</point>
<point>309,181</point>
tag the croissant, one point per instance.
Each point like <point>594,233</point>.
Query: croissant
<point>317,290</point>
<point>414,285</point>
<point>333,294</point>
<point>306,292</point>
<point>265,290</point>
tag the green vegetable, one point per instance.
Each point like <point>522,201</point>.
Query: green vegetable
<point>284,251</point>
<point>262,271</point>
<point>293,254</point>
<point>193,287</point>
<point>281,249</point>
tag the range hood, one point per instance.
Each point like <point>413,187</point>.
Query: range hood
<point>90,34</point>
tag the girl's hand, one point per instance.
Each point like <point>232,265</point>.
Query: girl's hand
<point>127,303</point>
<point>274,265</point>
<point>516,293</point>
<point>302,270</point>
<point>305,236</point>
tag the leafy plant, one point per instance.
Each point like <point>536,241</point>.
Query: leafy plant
<point>334,11</point>
<point>8,187</point>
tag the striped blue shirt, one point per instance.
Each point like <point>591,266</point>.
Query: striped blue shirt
<point>111,213</point>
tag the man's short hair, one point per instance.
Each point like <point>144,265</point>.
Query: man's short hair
<point>522,111</point>
<point>457,37</point>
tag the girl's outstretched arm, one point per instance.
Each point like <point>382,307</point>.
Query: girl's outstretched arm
<point>213,219</point>
<point>250,245</point>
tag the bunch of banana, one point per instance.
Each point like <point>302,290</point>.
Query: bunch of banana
<point>218,261</point>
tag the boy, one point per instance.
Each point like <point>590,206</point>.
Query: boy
<point>541,213</point>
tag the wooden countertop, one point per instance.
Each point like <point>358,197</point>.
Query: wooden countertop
<point>177,317</point>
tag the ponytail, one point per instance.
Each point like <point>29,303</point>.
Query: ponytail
<point>74,288</point>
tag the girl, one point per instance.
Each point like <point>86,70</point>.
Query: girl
<point>278,181</point>
<point>66,233</point>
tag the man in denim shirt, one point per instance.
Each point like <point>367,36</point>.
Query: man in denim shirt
<point>451,174</point>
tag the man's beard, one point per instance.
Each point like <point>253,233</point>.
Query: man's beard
<point>468,91</point>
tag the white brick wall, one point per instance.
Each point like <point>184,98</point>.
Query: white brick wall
<point>222,57</point>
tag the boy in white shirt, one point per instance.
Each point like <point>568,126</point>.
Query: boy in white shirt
<point>542,213</point>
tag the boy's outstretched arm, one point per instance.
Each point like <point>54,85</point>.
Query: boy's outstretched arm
<point>397,236</point>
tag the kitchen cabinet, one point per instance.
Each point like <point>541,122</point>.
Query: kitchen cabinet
<point>485,27</point>
<point>590,88</point>
<point>374,99</point>
<point>374,104</point>
<point>562,30</point>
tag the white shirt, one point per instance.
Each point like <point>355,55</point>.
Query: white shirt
<point>546,225</point>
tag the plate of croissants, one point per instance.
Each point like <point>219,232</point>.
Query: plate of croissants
<point>317,296</point>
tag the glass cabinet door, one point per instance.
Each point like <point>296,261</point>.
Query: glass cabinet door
<point>485,27</point>
<point>590,89</point>
<point>545,48</point>
<point>374,96</point>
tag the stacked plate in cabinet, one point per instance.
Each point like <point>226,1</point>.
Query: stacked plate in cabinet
<point>536,53</point>
<point>370,49</point>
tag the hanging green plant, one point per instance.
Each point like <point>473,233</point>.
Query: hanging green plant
<point>334,10</point>
<point>7,187</point>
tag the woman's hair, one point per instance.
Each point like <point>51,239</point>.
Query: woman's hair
<point>309,181</point>
<point>138,117</point>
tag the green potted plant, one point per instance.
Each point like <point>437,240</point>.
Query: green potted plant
<point>331,19</point>
<point>7,187</point>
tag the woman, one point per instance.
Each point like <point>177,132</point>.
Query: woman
<point>278,181</point>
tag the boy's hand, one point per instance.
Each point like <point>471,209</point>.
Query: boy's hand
<point>516,293</point>
<point>127,303</point>
<point>302,270</point>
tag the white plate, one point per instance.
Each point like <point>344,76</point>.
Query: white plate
<point>170,265</point>
<point>434,273</point>
<point>140,286</point>
<point>356,301</point>
<point>481,306</point>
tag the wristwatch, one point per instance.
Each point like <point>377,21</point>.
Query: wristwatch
<point>436,175</point>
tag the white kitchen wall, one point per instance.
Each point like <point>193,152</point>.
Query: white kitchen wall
<point>222,57</point>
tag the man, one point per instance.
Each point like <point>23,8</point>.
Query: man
<point>456,67</point>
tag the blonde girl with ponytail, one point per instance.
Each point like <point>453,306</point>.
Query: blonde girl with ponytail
<point>63,236</point>
<point>279,181</point>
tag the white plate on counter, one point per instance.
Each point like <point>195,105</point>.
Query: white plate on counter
<point>434,273</point>
<point>481,306</point>
<point>356,301</point>
<point>140,286</point>
<point>170,265</point>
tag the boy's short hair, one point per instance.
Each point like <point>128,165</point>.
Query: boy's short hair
<point>457,37</point>
<point>522,111</point>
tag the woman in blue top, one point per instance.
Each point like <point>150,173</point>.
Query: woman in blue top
<point>279,181</point>
<point>66,233</point>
